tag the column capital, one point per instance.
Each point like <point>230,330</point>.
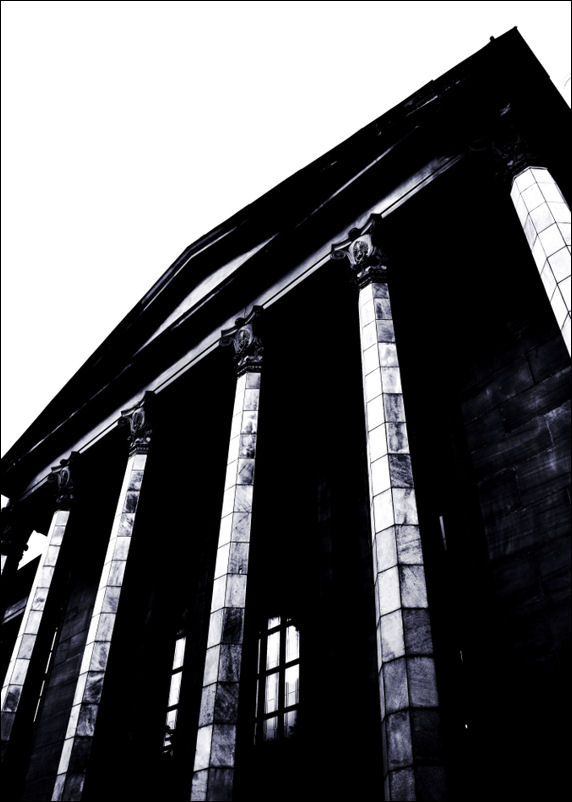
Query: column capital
<point>64,479</point>
<point>511,149</point>
<point>138,421</point>
<point>245,337</point>
<point>368,260</point>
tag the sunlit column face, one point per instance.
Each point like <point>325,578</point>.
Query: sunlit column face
<point>407,679</point>
<point>216,739</point>
<point>26,641</point>
<point>545,219</point>
<point>83,717</point>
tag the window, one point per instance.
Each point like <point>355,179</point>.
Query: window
<point>174,694</point>
<point>278,680</point>
<point>46,674</point>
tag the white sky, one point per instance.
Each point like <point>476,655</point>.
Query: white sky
<point>129,129</point>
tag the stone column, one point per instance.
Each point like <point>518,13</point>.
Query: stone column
<point>82,722</point>
<point>408,691</point>
<point>545,219</point>
<point>25,648</point>
<point>216,739</point>
<point>543,213</point>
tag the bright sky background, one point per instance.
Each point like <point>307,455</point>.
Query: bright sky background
<point>129,129</point>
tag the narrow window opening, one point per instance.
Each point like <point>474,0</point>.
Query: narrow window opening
<point>46,672</point>
<point>277,680</point>
<point>174,696</point>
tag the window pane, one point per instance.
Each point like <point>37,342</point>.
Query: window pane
<point>271,699</point>
<point>170,725</point>
<point>291,686</point>
<point>269,729</point>
<point>292,644</point>
<point>175,689</point>
<point>273,650</point>
<point>273,622</point>
<point>179,653</point>
<point>290,722</point>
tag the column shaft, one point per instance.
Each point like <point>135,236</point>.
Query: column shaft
<point>25,647</point>
<point>216,739</point>
<point>408,690</point>
<point>78,743</point>
<point>545,219</point>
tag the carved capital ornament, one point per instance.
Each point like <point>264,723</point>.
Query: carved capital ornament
<point>64,479</point>
<point>138,422</point>
<point>367,260</point>
<point>246,341</point>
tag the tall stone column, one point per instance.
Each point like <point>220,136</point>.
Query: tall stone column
<point>41,592</point>
<point>82,722</point>
<point>216,739</point>
<point>545,218</point>
<point>542,210</point>
<point>407,684</point>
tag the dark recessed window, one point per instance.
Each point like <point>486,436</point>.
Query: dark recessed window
<point>278,680</point>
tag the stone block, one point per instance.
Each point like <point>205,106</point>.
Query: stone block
<point>238,558</point>
<point>404,506</point>
<point>206,713</point>
<point>400,470</point>
<point>408,542</point>
<point>203,748</point>
<point>392,640</point>
<point>402,785</point>
<point>199,786</point>
<point>241,527</point>
<point>388,589</point>
<point>399,749</point>
<point>385,550</point>
<point>220,785</point>
<point>86,721</point>
<point>426,735</point>
<point>413,587</point>
<point>397,440</point>
<point>417,632</point>
<point>223,745</point>
<point>233,625</point>
<point>394,409</point>
<point>422,682</point>
<point>226,703</point>
<point>396,686</point>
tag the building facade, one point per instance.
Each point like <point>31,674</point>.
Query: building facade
<point>307,508</point>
